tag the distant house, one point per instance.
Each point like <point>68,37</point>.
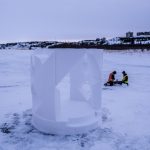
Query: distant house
<point>129,34</point>
<point>144,34</point>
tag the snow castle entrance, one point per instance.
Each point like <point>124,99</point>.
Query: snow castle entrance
<point>66,90</point>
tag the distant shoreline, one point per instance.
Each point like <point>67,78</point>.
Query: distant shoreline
<point>108,47</point>
<point>80,44</point>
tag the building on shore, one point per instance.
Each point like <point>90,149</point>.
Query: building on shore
<point>129,34</point>
<point>143,34</point>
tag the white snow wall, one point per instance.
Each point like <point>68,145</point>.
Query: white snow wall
<point>66,90</point>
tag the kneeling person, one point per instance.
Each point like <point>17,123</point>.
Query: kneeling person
<point>111,79</point>
<point>125,78</point>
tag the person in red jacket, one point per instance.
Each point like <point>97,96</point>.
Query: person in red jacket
<point>111,79</point>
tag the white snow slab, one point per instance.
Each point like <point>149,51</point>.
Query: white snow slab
<point>79,112</point>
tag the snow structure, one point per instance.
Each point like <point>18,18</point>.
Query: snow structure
<point>74,109</point>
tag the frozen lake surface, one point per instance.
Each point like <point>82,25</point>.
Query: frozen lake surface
<point>125,110</point>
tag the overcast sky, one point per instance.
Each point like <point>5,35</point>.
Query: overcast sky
<point>27,20</point>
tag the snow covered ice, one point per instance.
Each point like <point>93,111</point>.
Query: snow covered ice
<point>125,110</point>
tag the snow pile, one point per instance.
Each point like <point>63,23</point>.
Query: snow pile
<point>114,41</point>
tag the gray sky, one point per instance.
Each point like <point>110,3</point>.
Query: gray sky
<point>27,20</point>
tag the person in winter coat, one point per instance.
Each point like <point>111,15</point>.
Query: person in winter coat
<point>111,79</point>
<point>125,78</point>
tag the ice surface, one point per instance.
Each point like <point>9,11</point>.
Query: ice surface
<point>125,110</point>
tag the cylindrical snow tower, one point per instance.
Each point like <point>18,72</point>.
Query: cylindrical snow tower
<point>66,90</point>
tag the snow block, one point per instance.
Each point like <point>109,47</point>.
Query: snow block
<point>66,90</point>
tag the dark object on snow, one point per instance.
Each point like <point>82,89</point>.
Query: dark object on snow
<point>6,128</point>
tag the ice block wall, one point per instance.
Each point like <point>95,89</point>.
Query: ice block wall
<point>66,90</point>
